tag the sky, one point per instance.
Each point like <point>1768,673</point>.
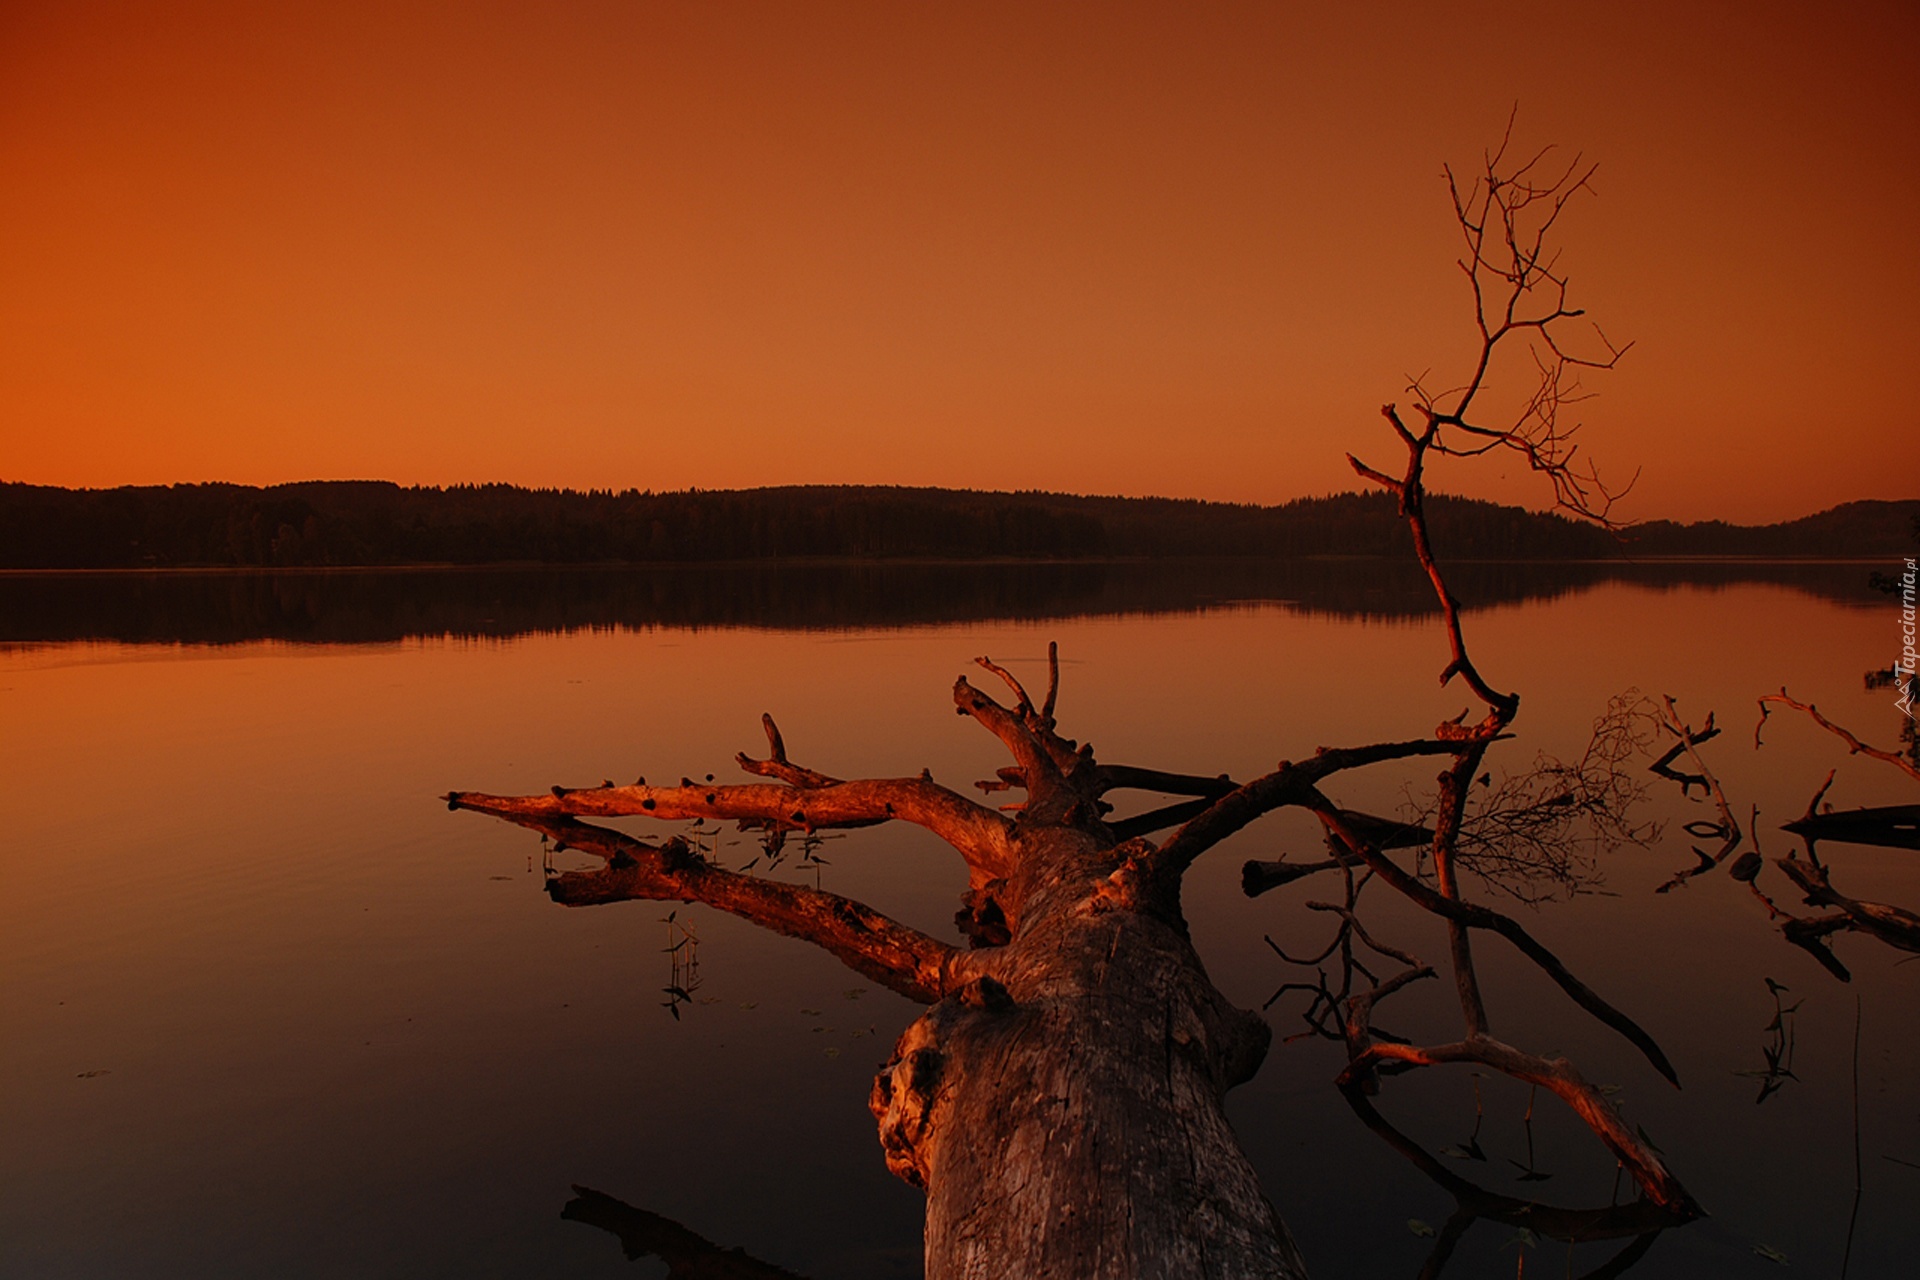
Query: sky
<point>1185,250</point>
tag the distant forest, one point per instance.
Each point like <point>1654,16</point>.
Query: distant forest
<point>368,523</point>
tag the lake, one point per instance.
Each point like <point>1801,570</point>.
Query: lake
<point>268,1009</point>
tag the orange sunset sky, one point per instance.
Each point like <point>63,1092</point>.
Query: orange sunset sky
<point>1138,249</point>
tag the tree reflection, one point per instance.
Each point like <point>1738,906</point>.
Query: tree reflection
<point>1895,826</point>
<point>643,1234</point>
<point>1639,1222</point>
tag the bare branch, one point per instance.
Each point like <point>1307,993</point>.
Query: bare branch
<point>1172,815</point>
<point>777,765</point>
<point>1053,681</point>
<point>1121,777</point>
<point>1563,1079</point>
<point>1473,916</point>
<point>1727,830</point>
<point>1639,1218</point>
<point>1257,877</point>
<point>979,834</point>
<point>1025,704</point>
<point>687,1256</point>
<point>900,958</point>
<point>1038,758</point>
<point>1854,745</point>
<point>1290,784</point>
<point>1895,926</point>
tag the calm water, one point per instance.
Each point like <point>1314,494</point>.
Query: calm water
<point>268,1009</point>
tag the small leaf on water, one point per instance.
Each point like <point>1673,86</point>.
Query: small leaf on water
<point>749,1004</point>
<point>1610,1089</point>
<point>1418,1227</point>
<point>1771,1254</point>
<point>1457,1152</point>
<point>811,1013</point>
<point>832,1052</point>
<point>854,993</point>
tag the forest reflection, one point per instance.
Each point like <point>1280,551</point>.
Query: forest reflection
<point>373,606</point>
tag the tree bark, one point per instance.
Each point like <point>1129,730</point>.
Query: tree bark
<point>1064,1109</point>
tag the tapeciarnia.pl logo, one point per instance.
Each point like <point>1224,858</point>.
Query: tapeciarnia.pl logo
<point>1903,668</point>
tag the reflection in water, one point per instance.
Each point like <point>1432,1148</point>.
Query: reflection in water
<point>1642,1220</point>
<point>259,965</point>
<point>1891,826</point>
<point>352,607</point>
<point>1536,836</point>
<point>1778,1047</point>
<point>648,1235</point>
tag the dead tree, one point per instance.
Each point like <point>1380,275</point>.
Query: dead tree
<point>1506,216</point>
<point>1061,1101</point>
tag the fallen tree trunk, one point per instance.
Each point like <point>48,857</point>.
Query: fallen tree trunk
<point>1064,1109</point>
<point>1062,1100</point>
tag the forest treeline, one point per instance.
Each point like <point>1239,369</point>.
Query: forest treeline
<point>371,523</point>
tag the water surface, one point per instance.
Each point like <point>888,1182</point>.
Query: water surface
<point>267,1008</point>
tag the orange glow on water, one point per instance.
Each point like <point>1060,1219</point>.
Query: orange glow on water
<point>1138,250</point>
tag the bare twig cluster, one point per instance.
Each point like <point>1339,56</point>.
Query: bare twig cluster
<point>1539,834</point>
<point>1506,214</point>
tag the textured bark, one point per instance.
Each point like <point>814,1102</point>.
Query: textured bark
<point>1064,1110</point>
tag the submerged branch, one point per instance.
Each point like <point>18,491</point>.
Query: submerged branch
<point>1564,1080</point>
<point>1474,916</point>
<point>898,957</point>
<point>1854,745</point>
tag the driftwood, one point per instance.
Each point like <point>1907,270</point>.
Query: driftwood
<point>1062,1099</point>
<point>1061,1102</point>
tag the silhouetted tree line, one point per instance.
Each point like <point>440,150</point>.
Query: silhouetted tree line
<point>379,605</point>
<point>366,523</point>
